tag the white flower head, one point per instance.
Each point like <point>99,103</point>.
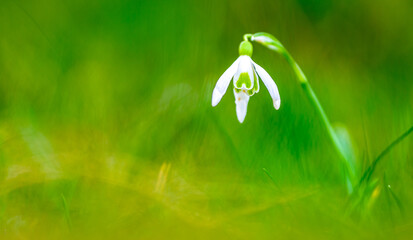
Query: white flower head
<point>244,73</point>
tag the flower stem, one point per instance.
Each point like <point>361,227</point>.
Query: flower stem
<point>275,45</point>
<point>247,37</point>
<point>305,85</point>
<point>312,97</point>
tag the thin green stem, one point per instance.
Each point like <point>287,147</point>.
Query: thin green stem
<point>275,45</point>
<point>320,111</point>
<point>247,37</point>
<point>317,105</point>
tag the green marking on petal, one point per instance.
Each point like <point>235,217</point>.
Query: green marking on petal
<point>237,90</point>
<point>256,84</point>
<point>255,89</point>
<point>244,78</point>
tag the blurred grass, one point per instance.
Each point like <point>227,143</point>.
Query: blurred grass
<point>106,128</point>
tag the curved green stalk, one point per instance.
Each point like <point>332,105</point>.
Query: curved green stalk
<point>273,44</point>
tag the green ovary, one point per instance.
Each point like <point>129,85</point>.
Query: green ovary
<point>245,48</point>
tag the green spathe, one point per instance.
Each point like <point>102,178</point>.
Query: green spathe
<point>268,41</point>
<point>245,48</point>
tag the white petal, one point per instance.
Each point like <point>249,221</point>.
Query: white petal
<point>270,84</point>
<point>241,102</point>
<point>245,65</point>
<point>223,82</point>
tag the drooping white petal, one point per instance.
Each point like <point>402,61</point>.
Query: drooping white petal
<point>223,82</point>
<point>270,84</point>
<point>241,102</point>
<point>245,66</point>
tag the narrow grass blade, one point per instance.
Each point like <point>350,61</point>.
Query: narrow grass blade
<point>370,170</point>
<point>66,212</point>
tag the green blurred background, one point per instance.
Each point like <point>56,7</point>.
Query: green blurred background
<point>107,129</point>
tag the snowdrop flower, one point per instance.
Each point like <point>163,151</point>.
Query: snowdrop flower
<point>244,73</point>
